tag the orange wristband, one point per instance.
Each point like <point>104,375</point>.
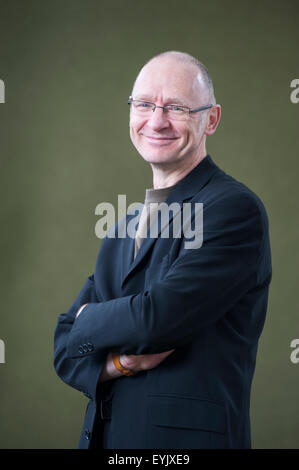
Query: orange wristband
<point>123,370</point>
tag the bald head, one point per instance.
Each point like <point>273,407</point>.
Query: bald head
<point>173,81</point>
<point>185,60</point>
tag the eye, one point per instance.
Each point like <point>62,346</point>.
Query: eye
<point>175,108</point>
<point>143,104</point>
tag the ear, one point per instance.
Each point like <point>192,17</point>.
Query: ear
<point>213,119</point>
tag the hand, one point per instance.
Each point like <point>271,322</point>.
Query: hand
<point>135,363</point>
<point>143,361</point>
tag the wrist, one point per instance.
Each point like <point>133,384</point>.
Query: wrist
<point>120,367</point>
<point>111,369</point>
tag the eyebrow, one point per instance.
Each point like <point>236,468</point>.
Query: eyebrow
<point>167,101</point>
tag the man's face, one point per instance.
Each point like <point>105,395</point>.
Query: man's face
<point>157,138</point>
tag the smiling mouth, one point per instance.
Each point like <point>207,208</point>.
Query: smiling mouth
<point>159,139</point>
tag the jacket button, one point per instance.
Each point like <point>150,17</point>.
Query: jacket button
<point>87,434</point>
<point>80,349</point>
<point>90,346</point>
<point>85,348</point>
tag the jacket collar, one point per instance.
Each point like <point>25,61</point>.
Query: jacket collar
<point>194,181</point>
<point>185,189</point>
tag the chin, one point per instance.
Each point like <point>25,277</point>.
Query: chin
<point>159,158</point>
<point>161,155</point>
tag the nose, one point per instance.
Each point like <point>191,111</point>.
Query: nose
<point>158,120</point>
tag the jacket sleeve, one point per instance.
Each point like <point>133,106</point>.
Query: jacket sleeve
<point>199,287</point>
<point>83,372</point>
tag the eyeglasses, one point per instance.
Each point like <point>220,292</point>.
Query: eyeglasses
<point>174,111</point>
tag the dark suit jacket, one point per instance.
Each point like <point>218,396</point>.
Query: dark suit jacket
<point>207,303</point>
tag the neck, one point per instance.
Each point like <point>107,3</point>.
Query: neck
<point>169,174</point>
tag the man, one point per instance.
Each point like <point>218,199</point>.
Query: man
<point>163,337</point>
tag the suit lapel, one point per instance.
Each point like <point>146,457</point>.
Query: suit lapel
<point>185,189</point>
<point>128,247</point>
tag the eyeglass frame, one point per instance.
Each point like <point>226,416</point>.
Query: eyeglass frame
<point>195,110</point>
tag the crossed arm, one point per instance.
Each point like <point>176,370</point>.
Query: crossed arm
<point>136,363</point>
<point>85,373</point>
<point>200,286</point>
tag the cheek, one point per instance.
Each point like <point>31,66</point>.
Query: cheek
<point>184,132</point>
<point>135,125</point>
<point>194,133</point>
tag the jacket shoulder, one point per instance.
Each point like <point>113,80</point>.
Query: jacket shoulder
<point>225,192</point>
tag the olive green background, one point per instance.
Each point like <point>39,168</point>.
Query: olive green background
<point>68,68</point>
